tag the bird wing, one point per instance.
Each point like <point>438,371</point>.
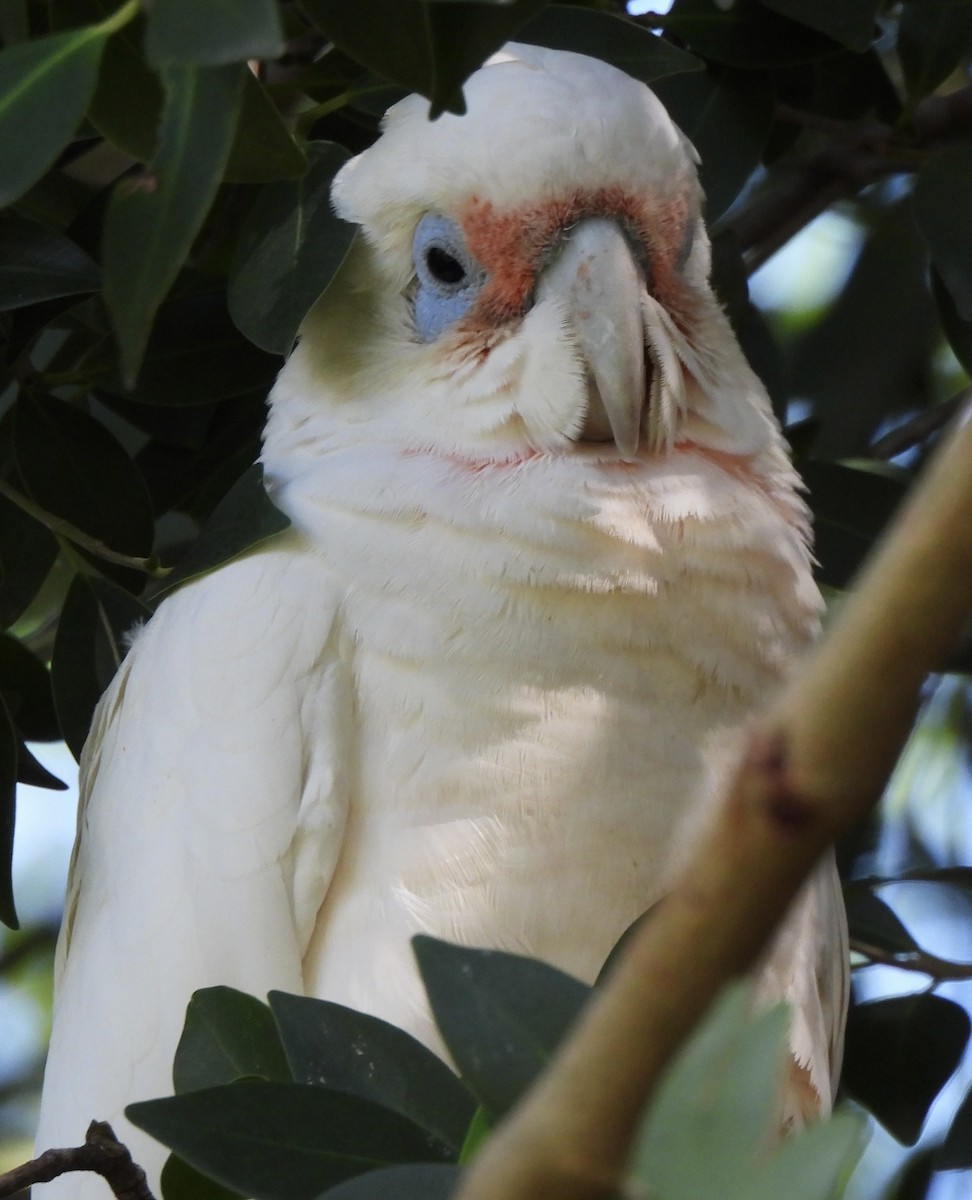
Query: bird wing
<point>212,811</point>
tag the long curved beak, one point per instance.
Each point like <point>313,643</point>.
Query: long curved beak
<point>603,289</point>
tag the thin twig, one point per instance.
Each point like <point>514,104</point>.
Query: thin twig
<point>102,1153</point>
<point>939,969</point>
<point>919,427</point>
<point>62,528</point>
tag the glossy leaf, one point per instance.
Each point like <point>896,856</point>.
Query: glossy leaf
<point>745,34</point>
<point>424,46</point>
<point>335,1047</point>
<point>943,197</point>
<point>8,801</point>
<point>90,644</point>
<point>263,147</point>
<point>603,35</point>
<point>955,1153</point>
<point>45,86</point>
<point>957,330</point>
<point>289,251</point>
<point>416,1181</point>
<point>227,1035</point>
<point>716,1107</point>
<point>196,355</point>
<point>245,517</point>
<point>58,449</point>
<point>873,923</point>
<point>179,1181</point>
<point>850,22</point>
<point>898,1055</point>
<point>281,1141</point>
<point>40,263</point>
<point>25,685</point>
<point>501,1015</point>
<point>851,508</point>
<point>153,218</point>
<point>727,115</point>
<point>33,772</point>
<point>27,553</point>
<point>186,32</point>
<point>933,38</point>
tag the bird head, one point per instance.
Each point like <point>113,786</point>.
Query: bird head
<point>530,279</point>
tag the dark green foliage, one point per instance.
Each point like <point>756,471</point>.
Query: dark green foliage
<point>165,228</point>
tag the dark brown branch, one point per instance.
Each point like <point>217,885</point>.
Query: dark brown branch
<point>858,155</point>
<point>102,1153</point>
<point>919,427</point>
<point>920,961</point>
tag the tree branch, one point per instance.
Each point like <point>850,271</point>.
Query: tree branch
<point>102,1153</point>
<point>856,156</point>
<point>813,766</point>
<point>919,961</point>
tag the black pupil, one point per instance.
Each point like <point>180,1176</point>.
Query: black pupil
<point>443,266</point>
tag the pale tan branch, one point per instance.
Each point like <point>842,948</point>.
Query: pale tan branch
<point>813,766</point>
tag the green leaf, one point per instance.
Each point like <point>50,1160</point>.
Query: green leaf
<point>416,1181</point>
<point>873,923</point>
<point>34,773</point>
<point>45,86</point>
<point>244,517</point>
<point>850,22</point>
<point>602,35</point>
<point>501,1015</point>
<point>179,1181</point>
<point>227,1035</point>
<point>153,218</point>
<point>290,248</point>
<point>476,1135</point>
<point>27,553</point>
<point>335,1047</point>
<point>955,1152</point>
<point>943,197</point>
<point>747,34</point>
<point>727,115</point>
<point>426,47</point>
<point>851,508</point>
<point>281,1141</point>
<point>933,39</point>
<point>263,147</point>
<point>196,355</point>
<point>60,450</point>
<point>184,32</point>
<point>25,685</point>
<point>898,1055</point>
<point>810,1165</point>
<point>957,331</point>
<point>716,1108</point>
<point>126,107</point>
<point>40,263</point>
<point>8,802</point>
<point>89,646</point>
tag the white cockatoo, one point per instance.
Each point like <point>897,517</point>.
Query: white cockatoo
<point>546,554</point>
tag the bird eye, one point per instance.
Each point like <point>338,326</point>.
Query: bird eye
<point>443,266</point>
